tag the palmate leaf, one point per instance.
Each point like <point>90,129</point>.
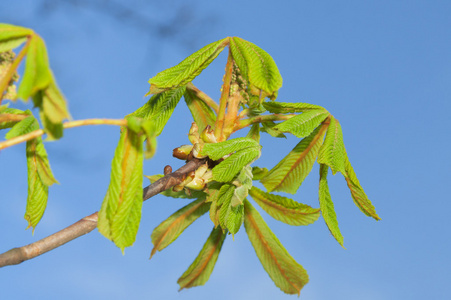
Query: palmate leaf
<point>203,115</point>
<point>172,227</point>
<point>288,107</point>
<point>188,69</point>
<point>332,152</point>
<point>232,165</point>
<point>120,213</point>
<point>257,66</point>
<point>159,108</point>
<point>285,209</point>
<point>357,193</point>
<point>286,273</point>
<point>327,206</point>
<point>302,125</point>
<point>217,150</point>
<point>290,172</point>
<point>200,270</point>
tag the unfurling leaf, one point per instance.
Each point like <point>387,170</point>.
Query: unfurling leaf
<point>172,227</point>
<point>290,172</point>
<point>332,152</point>
<point>289,107</point>
<point>256,66</point>
<point>286,273</point>
<point>285,209</point>
<point>357,193</point>
<point>302,125</point>
<point>120,213</point>
<point>200,270</point>
<point>219,194</point>
<point>327,206</point>
<point>232,165</point>
<point>203,115</point>
<point>217,150</point>
<point>188,69</point>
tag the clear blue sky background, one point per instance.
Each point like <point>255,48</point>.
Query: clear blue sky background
<point>383,68</point>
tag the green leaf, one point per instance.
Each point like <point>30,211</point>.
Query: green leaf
<point>232,165</point>
<point>327,206</point>
<point>302,125</point>
<point>357,193</point>
<point>284,209</point>
<point>12,43</point>
<point>230,216</point>
<point>11,111</point>
<point>120,213</point>
<point>159,108</point>
<point>257,65</point>
<point>269,128</point>
<point>188,69</point>
<point>25,126</point>
<point>286,273</point>
<point>200,270</point>
<point>254,133</point>
<point>258,173</point>
<point>8,32</point>
<point>217,150</point>
<point>288,107</point>
<point>203,115</point>
<point>332,152</point>
<point>218,195</point>
<point>290,172</point>
<point>172,227</point>
<point>181,194</point>
<point>37,75</point>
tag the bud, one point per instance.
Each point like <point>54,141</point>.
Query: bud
<point>197,149</point>
<point>208,135</point>
<point>193,134</point>
<point>182,152</point>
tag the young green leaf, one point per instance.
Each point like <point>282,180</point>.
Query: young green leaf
<point>217,150</point>
<point>257,65</point>
<point>254,133</point>
<point>232,165</point>
<point>8,32</point>
<point>332,152</point>
<point>203,115</point>
<point>159,108</point>
<point>218,195</point>
<point>302,125</point>
<point>269,128</point>
<point>5,111</point>
<point>288,107</point>
<point>188,69</point>
<point>357,193</point>
<point>327,206</point>
<point>200,270</point>
<point>25,126</point>
<point>290,172</point>
<point>285,209</point>
<point>120,213</point>
<point>12,43</point>
<point>258,173</point>
<point>286,273</point>
<point>172,227</point>
<point>230,216</point>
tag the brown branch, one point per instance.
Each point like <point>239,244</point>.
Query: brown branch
<point>89,223</point>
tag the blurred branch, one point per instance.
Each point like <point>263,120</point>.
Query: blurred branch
<point>89,223</point>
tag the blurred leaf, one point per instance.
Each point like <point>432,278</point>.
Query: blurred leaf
<point>327,206</point>
<point>302,125</point>
<point>290,172</point>
<point>25,126</point>
<point>120,214</point>
<point>232,165</point>
<point>257,66</point>
<point>8,32</point>
<point>332,152</point>
<point>188,69</point>
<point>285,209</point>
<point>12,43</point>
<point>172,227</point>
<point>203,115</point>
<point>286,273</point>
<point>200,270</point>
<point>288,107</point>
<point>5,111</point>
<point>217,150</point>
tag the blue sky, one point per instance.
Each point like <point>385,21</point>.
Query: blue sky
<point>383,68</point>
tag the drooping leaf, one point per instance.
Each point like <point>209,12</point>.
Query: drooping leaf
<point>173,194</point>
<point>8,32</point>
<point>357,193</point>
<point>200,270</point>
<point>172,227</point>
<point>230,217</point>
<point>332,152</point>
<point>203,115</point>
<point>286,273</point>
<point>120,213</point>
<point>302,125</point>
<point>257,65</point>
<point>12,43</point>
<point>285,209</point>
<point>327,206</point>
<point>218,195</point>
<point>232,165</point>
<point>269,128</point>
<point>159,108</point>
<point>288,107</point>
<point>217,150</point>
<point>188,69</point>
<point>290,172</point>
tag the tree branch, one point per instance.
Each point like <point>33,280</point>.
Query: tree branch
<point>89,223</point>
